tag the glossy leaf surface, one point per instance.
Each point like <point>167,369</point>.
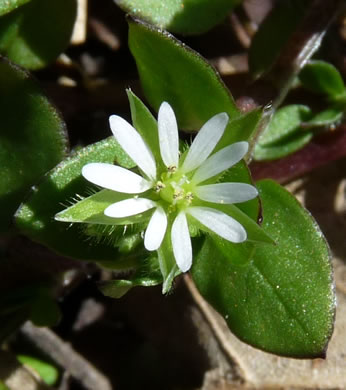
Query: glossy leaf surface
<point>179,16</point>
<point>36,33</point>
<point>172,72</point>
<point>32,139</point>
<point>282,300</point>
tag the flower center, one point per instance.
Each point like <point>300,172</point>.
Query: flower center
<point>175,188</point>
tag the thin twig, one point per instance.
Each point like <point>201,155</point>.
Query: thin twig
<point>64,355</point>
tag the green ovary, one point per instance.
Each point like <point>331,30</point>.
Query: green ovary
<point>175,189</point>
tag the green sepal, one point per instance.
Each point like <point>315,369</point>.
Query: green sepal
<point>35,217</point>
<point>168,265</point>
<point>282,300</point>
<point>172,72</point>
<point>91,210</point>
<point>242,128</point>
<point>146,125</point>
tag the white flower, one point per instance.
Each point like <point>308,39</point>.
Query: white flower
<point>178,190</point>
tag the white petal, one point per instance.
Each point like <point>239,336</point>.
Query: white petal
<point>128,207</point>
<point>168,135</point>
<point>220,161</point>
<point>220,223</point>
<point>115,178</point>
<point>226,192</point>
<point>156,230</point>
<point>181,242</point>
<point>134,145</point>
<point>205,141</point>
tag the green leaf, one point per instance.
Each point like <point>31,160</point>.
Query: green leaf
<point>273,33</point>
<point>145,124</point>
<point>172,72</point>
<point>180,16</point>
<point>36,33</point>
<point>10,5</point>
<point>35,217</point>
<point>118,288</point>
<point>286,147</point>
<point>322,77</point>
<point>283,300</point>
<point>328,117</point>
<point>285,122</point>
<point>32,140</point>
<point>237,254</point>
<point>47,372</point>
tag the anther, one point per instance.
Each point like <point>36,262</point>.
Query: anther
<point>158,187</point>
<point>189,196</point>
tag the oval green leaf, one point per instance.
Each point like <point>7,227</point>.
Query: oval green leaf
<point>284,148</point>
<point>32,141</point>
<point>285,122</point>
<point>170,71</point>
<point>180,16</point>
<point>36,33</point>
<point>282,301</point>
<point>322,77</point>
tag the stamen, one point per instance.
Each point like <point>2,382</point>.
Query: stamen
<point>159,186</point>
<point>189,197</point>
<point>172,168</point>
<point>178,194</point>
